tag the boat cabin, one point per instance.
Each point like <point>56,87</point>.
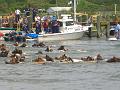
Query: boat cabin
<point>66,20</point>
<point>67,24</point>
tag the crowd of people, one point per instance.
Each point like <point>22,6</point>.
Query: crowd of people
<point>31,18</point>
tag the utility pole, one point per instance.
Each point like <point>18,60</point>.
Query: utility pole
<point>115,8</point>
<point>57,10</point>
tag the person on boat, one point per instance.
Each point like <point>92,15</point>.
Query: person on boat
<point>45,26</point>
<point>55,26</point>
<point>117,30</point>
<point>50,26</point>
<point>17,15</point>
<point>38,27</point>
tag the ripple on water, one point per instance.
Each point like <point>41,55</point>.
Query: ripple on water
<point>55,76</point>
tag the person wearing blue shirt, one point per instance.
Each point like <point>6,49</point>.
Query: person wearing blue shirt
<point>117,30</point>
<point>38,27</point>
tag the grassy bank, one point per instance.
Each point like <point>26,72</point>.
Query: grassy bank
<point>7,6</point>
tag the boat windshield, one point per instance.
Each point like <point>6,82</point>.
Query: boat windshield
<point>68,23</point>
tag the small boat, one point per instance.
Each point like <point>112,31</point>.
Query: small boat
<point>6,30</point>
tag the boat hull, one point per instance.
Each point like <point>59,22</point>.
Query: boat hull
<point>7,30</point>
<point>60,36</point>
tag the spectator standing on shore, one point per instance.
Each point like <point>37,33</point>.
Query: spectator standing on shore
<point>117,30</point>
<point>17,15</point>
<point>34,13</point>
<point>45,25</point>
<point>55,26</point>
<point>25,28</point>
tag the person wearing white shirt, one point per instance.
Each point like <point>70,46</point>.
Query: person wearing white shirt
<point>37,18</point>
<point>17,15</point>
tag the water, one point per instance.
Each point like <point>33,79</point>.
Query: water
<point>55,76</point>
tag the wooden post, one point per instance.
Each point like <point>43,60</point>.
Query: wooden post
<point>18,26</point>
<point>0,22</point>
<point>29,23</point>
<point>90,30</point>
<point>98,26</point>
<point>11,22</point>
<point>108,30</point>
<point>108,27</point>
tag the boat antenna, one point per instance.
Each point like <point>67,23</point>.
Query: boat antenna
<point>115,8</point>
<point>57,9</point>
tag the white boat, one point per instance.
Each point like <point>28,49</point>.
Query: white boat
<point>68,31</point>
<point>60,36</point>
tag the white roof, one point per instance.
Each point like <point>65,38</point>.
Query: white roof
<point>55,9</point>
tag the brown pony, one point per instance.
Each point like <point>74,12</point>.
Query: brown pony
<point>113,59</point>
<point>13,60</point>
<point>49,49</point>
<point>64,58</point>
<point>41,44</point>
<point>62,48</point>
<point>4,50</point>
<point>39,60</point>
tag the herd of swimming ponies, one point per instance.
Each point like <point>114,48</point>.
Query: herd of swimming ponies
<point>17,56</point>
